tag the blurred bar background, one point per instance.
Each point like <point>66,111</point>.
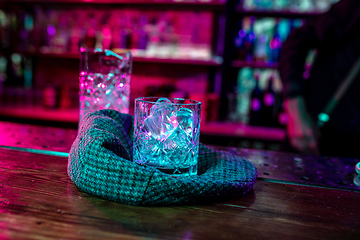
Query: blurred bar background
<point>222,53</point>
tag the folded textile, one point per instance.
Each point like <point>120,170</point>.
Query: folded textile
<point>100,163</point>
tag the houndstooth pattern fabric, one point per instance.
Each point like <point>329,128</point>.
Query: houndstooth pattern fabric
<point>100,163</point>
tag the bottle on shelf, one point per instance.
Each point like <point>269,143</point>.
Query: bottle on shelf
<point>135,24</point>
<point>106,36</point>
<point>116,39</point>
<point>4,30</point>
<point>143,35</point>
<point>125,34</point>
<point>275,44</point>
<point>257,4</point>
<point>239,42</point>
<point>52,31</point>
<point>81,26</point>
<point>50,96</point>
<point>245,82</point>
<point>154,38</point>
<point>4,43</point>
<point>27,72</point>
<point>262,41</point>
<point>74,39</point>
<point>256,103</point>
<point>90,35</point>
<point>16,70</point>
<point>282,117</point>
<point>36,36</point>
<point>247,4</point>
<point>250,39</point>
<point>268,104</point>
<point>166,47</point>
<point>26,26</point>
<point>3,68</point>
<point>156,33</point>
<point>64,99</point>
<point>280,4</point>
<point>61,38</point>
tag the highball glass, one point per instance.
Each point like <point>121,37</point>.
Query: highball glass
<point>104,80</point>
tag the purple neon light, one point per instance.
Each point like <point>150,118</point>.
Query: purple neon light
<point>51,30</point>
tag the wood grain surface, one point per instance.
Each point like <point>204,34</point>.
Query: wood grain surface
<point>39,201</point>
<point>288,167</point>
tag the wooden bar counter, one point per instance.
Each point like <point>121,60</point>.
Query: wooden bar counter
<point>290,199</point>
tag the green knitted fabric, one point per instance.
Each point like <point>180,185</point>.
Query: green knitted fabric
<point>100,163</point>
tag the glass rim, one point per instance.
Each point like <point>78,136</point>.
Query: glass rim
<point>192,102</point>
<point>103,50</point>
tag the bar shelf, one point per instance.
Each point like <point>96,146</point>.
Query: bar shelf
<point>206,4</point>
<point>280,14</point>
<point>212,61</point>
<point>254,64</point>
<point>260,64</point>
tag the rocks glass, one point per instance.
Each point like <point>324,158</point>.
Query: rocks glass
<point>104,80</point>
<point>166,134</point>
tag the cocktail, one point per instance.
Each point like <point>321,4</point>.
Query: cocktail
<point>166,134</point>
<point>104,80</point>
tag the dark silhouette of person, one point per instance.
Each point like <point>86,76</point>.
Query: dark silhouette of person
<point>335,35</point>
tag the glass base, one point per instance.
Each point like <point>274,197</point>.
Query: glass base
<point>176,172</point>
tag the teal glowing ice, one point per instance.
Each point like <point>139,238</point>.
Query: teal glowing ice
<point>104,91</point>
<point>167,135</point>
